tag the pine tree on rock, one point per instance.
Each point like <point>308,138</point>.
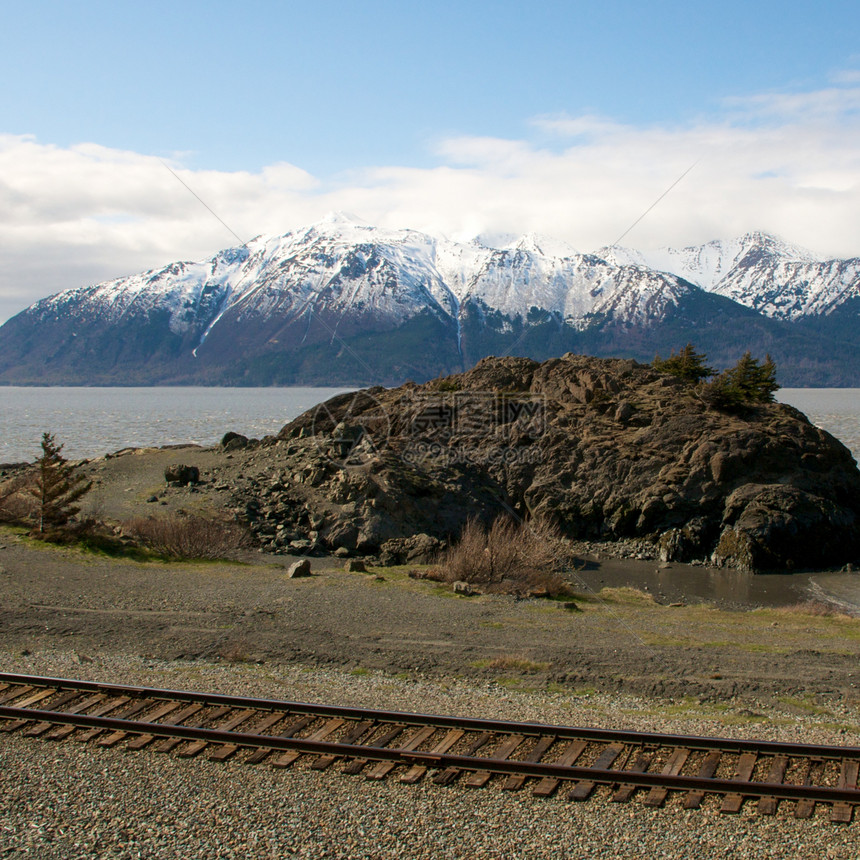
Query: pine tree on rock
<point>57,487</point>
<point>756,382</point>
<point>743,386</point>
<point>688,365</point>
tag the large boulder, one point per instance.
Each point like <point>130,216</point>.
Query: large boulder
<point>417,549</point>
<point>778,526</point>
<point>298,569</point>
<point>232,441</point>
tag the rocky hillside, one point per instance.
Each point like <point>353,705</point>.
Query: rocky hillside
<point>603,449</point>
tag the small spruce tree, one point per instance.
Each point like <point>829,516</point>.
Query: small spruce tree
<point>688,365</point>
<point>755,382</point>
<point>766,384</point>
<point>742,386</point>
<point>57,487</point>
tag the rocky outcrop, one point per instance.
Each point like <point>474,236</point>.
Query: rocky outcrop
<point>605,450</point>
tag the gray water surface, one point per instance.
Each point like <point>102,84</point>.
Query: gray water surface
<point>91,422</point>
<point>729,589</point>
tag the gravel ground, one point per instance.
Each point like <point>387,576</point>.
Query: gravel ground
<point>620,642</point>
<point>68,801</point>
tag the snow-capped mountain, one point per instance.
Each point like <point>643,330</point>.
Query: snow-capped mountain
<point>760,271</point>
<point>344,301</point>
<point>361,275</point>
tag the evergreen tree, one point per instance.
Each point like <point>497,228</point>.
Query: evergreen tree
<point>688,365</point>
<point>755,382</point>
<point>57,487</point>
<point>767,385</point>
<point>743,385</point>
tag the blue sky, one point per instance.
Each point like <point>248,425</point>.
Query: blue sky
<point>568,118</point>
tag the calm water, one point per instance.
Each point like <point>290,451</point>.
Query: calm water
<point>836,410</point>
<point>731,589</point>
<point>95,421</point>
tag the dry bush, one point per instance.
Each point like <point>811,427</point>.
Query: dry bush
<point>188,536</point>
<point>17,504</point>
<point>509,557</point>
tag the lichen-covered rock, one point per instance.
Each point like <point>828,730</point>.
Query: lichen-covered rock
<point>603,449</point>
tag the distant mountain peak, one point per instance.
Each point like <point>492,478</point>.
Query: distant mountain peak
<point>340,217</point>
<point>757,269</point>
<point>777,246</point>
<point>545,246</point>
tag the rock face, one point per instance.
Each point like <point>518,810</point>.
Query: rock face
<point>604,449</point>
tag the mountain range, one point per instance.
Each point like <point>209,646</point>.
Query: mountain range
<point>343,302</point>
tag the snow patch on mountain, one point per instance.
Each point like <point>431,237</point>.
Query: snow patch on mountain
<point>758,270</point>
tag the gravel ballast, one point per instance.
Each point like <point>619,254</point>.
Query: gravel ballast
<point>73,801</point>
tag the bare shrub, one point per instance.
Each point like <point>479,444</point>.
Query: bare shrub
<point>188,536</point>
<point>17,504</point>
<point>509,557</point>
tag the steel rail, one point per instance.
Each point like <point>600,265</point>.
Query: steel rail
<point>784,791</point>
<point>734,745</point>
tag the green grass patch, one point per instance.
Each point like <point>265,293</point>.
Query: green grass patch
<point>806,704</point>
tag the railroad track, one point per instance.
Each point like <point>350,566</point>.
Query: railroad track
<point>543,759</point>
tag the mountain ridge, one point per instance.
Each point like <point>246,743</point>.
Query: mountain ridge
<point>267,311</point>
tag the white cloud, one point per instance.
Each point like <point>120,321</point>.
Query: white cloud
<point>786,163</point>
<point>846,76</point>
